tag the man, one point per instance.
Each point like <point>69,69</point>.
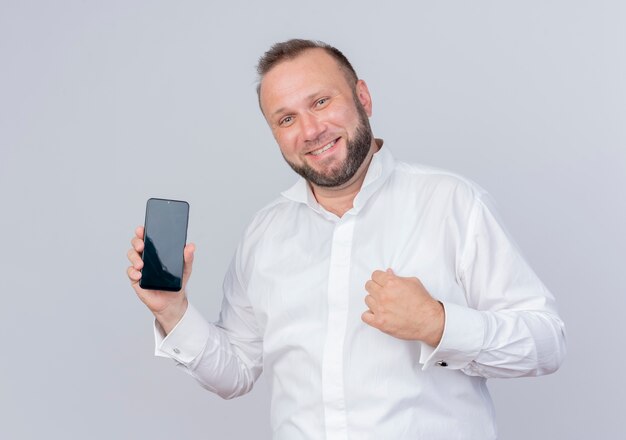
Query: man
<point>379,296</point>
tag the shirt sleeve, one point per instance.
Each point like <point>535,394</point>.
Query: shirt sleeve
<point>224,357</point>
<point>509,325</point>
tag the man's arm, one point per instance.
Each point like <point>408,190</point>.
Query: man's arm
<point>511,326</point>
<point>507,326</point>
<point>225,358</point>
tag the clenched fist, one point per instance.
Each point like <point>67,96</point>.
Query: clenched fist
<point>403,308</point>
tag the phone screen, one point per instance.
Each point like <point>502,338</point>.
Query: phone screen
<point>165,235</point>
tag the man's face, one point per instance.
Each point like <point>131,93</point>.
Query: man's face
<point>319,120</point>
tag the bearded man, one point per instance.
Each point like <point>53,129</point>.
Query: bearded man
<point>379,296</point>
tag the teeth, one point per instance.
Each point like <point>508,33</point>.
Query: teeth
<point>321,150</point>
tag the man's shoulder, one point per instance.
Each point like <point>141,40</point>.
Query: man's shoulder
<point>266,216</point>
<point>430,178</point>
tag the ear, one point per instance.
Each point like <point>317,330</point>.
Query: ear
<point>364,97</point>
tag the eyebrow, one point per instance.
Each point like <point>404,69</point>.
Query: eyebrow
<point>308,98</point>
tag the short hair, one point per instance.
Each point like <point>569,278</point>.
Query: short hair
<point>290,49</point>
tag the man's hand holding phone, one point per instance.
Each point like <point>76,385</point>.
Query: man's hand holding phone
<point>168,307</point>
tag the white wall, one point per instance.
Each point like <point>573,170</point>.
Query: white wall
<point>104,104</point>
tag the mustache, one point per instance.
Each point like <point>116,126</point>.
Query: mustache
<point>320,142</point>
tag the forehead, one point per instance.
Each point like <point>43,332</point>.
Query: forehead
<point>312,71</point>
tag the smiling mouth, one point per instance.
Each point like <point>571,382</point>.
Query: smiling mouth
<point>325,148</point>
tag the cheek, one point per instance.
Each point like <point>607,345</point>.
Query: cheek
<point>344,117</point>
<point>287,138</point>
<point>286,142</point>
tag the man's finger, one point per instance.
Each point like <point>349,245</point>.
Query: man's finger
<point>372,304</point>
<point>135,259</point>
<point>188,252</point>
<point>381,278</point>
<point>372,287</point>
<point>188,257</point>
<point>133,274</point>
<point>139,232</point>
<point>137,244</point>
<point>369,318</point>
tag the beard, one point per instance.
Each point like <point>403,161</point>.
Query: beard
<point>357,149</point>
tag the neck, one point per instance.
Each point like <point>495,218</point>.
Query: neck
<point>340,200</point>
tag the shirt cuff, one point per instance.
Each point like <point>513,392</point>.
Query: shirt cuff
<point>462,340</point>
<point>186,340</point>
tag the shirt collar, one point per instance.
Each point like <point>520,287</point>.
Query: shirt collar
<point>380,168</point>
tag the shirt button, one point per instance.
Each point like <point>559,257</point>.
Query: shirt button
<point>442,363</point>
<point>176,350</point>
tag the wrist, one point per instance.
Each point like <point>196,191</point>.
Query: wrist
<point>171,316</point>
<point>438,324</point>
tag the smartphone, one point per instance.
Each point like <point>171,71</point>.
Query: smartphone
<point>165,235</point>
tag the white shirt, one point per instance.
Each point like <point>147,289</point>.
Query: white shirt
<point>294,295</point>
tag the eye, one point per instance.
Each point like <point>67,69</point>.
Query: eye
<point>286,121</point>
<point>321,102</point>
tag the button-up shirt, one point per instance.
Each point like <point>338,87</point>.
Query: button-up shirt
<point>294,295</point>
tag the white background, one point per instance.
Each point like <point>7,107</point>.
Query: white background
<point>104,104</point>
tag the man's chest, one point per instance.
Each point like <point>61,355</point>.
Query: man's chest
<point>300,274</point>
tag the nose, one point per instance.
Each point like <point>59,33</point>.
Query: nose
<point>311,126</point>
